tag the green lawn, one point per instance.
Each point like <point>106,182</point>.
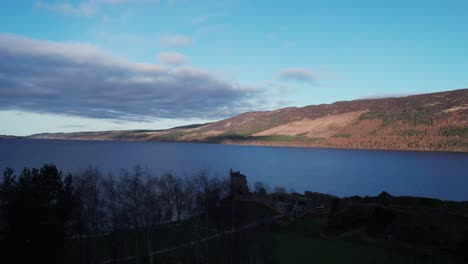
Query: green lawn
<point>129,243</point>
<point>342,135</point>
<point>296,242</point>
<point>299,242</point>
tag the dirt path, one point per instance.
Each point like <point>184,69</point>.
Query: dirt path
<point>201,240</point>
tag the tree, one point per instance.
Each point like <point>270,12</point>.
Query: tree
<point>180,205</point>
<point>152,213</point>
<point>190,196</point>
<point>167,191</point>
<point>113,213</point>
<point>261,188</point>
<point>90,199</point>
<point>112,208</point>
<point>37,206</point>
<point>280,189</point>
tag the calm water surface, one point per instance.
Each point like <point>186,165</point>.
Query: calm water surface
<point>339,172</point>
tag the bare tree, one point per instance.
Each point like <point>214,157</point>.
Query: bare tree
<point>137,202</point>
<point>89,187</point>
<point>280,189</point>
<point>131,188</point>
<point>180,205</point>
<point>152,211</point>
<point>200,183</point>
<point>190,196</point>
<point>261,188</point>
<point>112,206</point>
<point>167,190</point>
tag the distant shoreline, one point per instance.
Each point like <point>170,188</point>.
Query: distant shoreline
<point>9,137</point>
<point>434,122</point>
<point>251,143</point>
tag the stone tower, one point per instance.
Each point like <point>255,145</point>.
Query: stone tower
<point>238,184</point>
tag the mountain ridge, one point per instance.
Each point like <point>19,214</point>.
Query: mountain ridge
<point>433,122</point>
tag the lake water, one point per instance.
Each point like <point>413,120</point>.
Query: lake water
<point>340,172</point>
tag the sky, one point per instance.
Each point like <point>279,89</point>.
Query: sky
<point>90,65</point>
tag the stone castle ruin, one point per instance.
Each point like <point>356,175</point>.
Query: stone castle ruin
<point>238,184</point>
<point>311,203</point>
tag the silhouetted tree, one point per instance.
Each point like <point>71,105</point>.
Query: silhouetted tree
<point>280,189</point>
<point>41,207</point>
<point>37,205</point>
<point>261,188</point>
<point>179,199</point>
<point>190,196</point>
<point>167,191</point>
<point>89,188</point>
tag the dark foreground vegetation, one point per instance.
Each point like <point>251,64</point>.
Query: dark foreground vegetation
<point>136,217</point>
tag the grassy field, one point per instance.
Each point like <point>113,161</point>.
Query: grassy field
<point>272,138</point>
<point>342,135</point>
<point>300,242</point>
<point>414,116</point>
<point>123,244</point>
<point>296,242</point>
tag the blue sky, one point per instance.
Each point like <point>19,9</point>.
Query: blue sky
<point>134,64</point>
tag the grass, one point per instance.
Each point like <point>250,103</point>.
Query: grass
<point>259,125</point>
<point>296,242</point>
<point>411,133</point>
<point>227,136</point>
<point>249,246</point>
<point>314,139</point>
<point>281,138</point>
<point>342,135</point>
<point>300,242</point>
<point>372,115</point>
<point>418,201</point>
<point>412,201</point>
<point>130,135</point>
<point>171,136</point>
<point>413,116</point>
<point>458,144</point>
<point>457,137</point>
<point>272,138</point>
<point>239,247</point>
<point>127,243</point>
<point>241,212</point>
<point>453,131</point>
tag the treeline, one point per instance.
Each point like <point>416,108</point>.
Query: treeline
<point>137,199</point>
<point>41,209</point>
<point>35,207</point>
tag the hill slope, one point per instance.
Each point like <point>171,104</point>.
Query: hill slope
<point>437,121</point>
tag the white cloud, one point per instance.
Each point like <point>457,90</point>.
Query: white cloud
<point>207,18</point>
<point>172,58</point>
<point>129,1</point>
<point>297,75</point>
<point>79,79</point>
<point>176,41</point>
<point>85,7</point>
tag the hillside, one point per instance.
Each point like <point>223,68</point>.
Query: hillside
<point>436,121</point>
<point>7,137</point>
